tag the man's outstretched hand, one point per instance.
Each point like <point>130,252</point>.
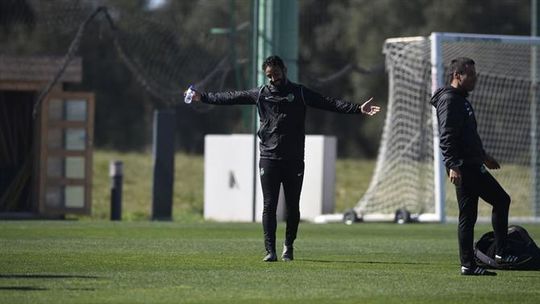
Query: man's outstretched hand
<point>368,109</point>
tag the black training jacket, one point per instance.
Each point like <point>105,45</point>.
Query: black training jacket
<point>282,112</point>
<point>459,139</point>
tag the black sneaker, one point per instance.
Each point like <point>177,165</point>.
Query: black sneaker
<point>270,256</point>
<point>288,253</point>
<point>505,259</point>
<point>476,271</point>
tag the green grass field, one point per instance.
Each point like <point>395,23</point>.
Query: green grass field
<point>171,262</point>
<point>88,259</point>
<point>352,180</point>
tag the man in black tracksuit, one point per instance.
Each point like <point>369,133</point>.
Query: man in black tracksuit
<point>464,158</point>
<point>282,110</point>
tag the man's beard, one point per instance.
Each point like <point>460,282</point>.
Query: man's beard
<point>280,85</point>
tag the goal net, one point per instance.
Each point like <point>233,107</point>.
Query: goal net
<point>409,174</point>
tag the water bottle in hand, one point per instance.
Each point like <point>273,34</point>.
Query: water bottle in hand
<point>189,94</point>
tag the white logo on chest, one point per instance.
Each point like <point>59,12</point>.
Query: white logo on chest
<point>468,108</point>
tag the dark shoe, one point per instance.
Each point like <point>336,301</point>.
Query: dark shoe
<point>476,271</point>
<point>288,253</point>
<point>270,257</point>
<point>505,259</point>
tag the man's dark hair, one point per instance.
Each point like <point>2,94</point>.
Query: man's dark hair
<point>273,61</point>
<point>459,65</point>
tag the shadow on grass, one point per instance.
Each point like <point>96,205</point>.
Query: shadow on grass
<point>22,288</point>
<point>42,276</point>
<point>45,276</point>
<point>365,262</point>
<point>32,288</point>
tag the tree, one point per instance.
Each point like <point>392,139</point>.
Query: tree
<point>340,34</point>
<point>149,57</point>
<point>14,13</point>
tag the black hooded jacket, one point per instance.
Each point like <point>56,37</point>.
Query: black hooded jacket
<point>282,112</point>
<point>459,139</point>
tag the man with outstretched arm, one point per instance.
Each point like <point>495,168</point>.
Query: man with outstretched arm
<point>282,108</point>
<point>466,162</point>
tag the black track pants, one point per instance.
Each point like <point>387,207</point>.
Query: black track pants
<point>478,182</point>
<point>290,173</point>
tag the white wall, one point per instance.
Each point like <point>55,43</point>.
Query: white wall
<point>228,178</point>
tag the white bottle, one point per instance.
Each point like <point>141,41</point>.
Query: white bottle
<point>189,95</point>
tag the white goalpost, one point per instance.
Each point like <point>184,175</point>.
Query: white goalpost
<point>409,182</point>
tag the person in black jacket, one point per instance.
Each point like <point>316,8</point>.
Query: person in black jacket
<point>466,162</point>
<point>282,109</point>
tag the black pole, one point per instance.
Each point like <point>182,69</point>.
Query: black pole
<point>115,171</point>
<point>163,152</point>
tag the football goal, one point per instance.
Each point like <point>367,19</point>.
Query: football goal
<point>409,182</point>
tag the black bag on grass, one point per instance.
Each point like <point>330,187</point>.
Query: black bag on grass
<point>519,244</point>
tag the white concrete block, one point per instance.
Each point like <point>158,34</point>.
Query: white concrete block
<point>228,179</point>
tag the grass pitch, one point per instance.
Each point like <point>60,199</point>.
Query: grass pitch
<point>352,180</point>
<point>172,262</point>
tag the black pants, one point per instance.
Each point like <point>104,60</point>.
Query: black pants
<point>273,173</point>
<point>478,182</point>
